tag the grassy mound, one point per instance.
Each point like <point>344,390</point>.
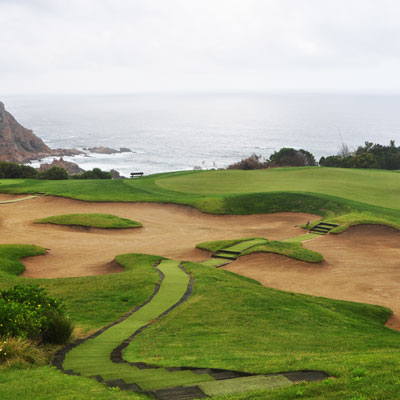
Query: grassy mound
<point>292,249</point>
<point>93,220</point>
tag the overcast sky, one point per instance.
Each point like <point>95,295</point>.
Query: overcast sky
<point>129,46</point>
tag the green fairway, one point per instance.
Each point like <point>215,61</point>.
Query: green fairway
<point>105,221</point>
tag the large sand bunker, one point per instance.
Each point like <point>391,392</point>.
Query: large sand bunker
<point>362,264</point>
<point>169,230</point>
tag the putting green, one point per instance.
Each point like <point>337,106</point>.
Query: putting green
<point>352,184</point>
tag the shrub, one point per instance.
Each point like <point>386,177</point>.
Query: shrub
<point>54,173</point>
<point>27,312</point>
<point>252,162</point>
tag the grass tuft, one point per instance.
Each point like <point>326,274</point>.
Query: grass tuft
<point>18,351</point>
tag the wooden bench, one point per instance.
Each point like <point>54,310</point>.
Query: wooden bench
<point>136,174</point>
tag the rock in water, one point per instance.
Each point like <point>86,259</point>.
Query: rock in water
<point>108,150</point>
<point>18,144</point>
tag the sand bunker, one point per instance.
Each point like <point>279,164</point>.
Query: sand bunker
<point>362,264</point>
<point>169,230</point>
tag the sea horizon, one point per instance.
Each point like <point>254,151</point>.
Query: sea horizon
<point>183,131</point>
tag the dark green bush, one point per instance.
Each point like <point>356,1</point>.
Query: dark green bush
<point>54,173</point>
<point>58,328</point>
<point>289,157</point>
<point>95,173</point>
<point>27,311</point>
<point>368,156</point>
<point>9,170</point>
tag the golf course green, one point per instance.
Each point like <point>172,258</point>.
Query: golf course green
<point>226,323</point>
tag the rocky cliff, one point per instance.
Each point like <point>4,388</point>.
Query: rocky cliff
<point>18,144</point>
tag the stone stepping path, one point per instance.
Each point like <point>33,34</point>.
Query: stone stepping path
<point>100,355</point>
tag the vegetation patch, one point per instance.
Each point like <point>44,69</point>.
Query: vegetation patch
<point>93,220</point>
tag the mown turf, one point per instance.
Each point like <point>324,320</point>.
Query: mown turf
<point>93,220</point>
<point>46,383</point>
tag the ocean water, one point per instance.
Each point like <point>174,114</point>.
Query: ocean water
<point>180,132</point>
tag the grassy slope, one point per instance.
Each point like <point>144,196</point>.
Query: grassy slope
<point>262,330</point>
<point>93,220</point>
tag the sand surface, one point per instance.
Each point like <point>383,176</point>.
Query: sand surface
<point>362,264</point>
<point>169,230</point>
